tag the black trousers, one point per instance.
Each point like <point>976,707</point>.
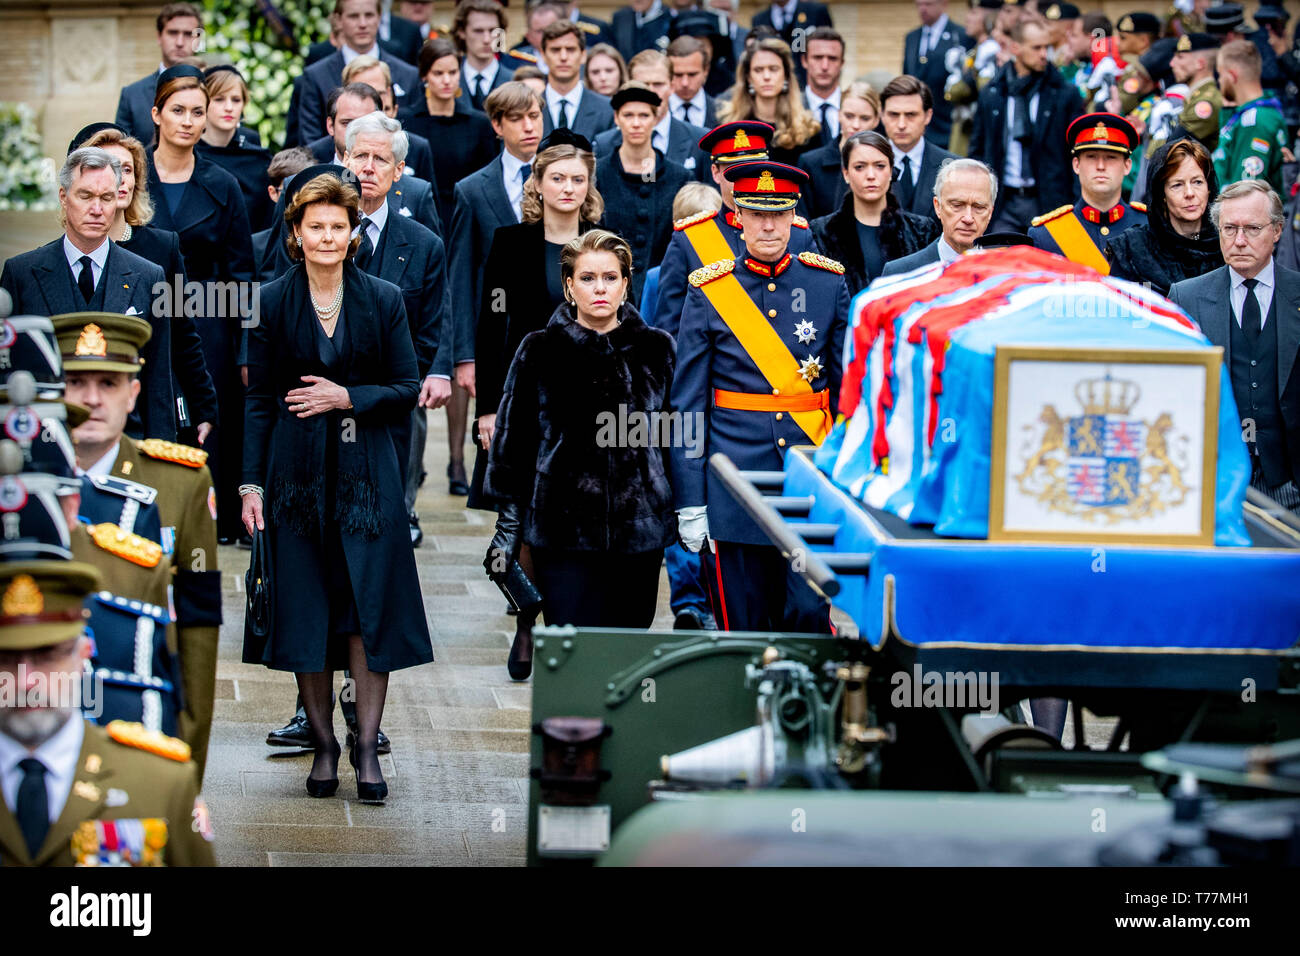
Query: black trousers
<point>753,589</point>
<point>598,588</point>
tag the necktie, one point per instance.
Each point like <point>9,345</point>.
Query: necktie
<point>905,188</point>
<point>686,112</point>
<point>564,115</point>
<point>525,171</point>
<point>925,42</point>
<point>86,281</point>
<point>33,808</point>
<point>477,95</point>
<point>1252,320</point>
<point>826,122</point>
<point>367,248</point>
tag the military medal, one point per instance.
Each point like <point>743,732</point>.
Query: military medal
<point>810,368</point>
<point>804,332</point>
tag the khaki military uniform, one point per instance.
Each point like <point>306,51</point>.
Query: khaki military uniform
<point>127,800</point>
<point>187,504</point>
<point>1200,115</point>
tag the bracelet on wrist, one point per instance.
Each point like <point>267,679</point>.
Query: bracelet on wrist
<point>251,490</point>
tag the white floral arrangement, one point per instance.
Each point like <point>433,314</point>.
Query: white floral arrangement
<point>28,178</point>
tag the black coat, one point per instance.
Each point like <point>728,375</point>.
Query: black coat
<point>934,74</point>
<point>287,456</point>
<point>1058,106</point>
<point>901,234</point>
<point>216,239</point>
<point>466,143</point>
<point>640,210</point>
<point>248,164</point>
<point>826,186</point>
<point>560,450</point>
<point>189,370</point>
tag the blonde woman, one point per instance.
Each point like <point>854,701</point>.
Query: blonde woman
<point>233,146</point>
<point>767,89</point>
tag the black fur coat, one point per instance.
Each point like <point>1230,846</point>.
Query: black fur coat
<point>901,234</point>
<point>579,436</point>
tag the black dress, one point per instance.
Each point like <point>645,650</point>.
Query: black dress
<point>248,163</point>
<point>462,143</point>
<point>340,550</point>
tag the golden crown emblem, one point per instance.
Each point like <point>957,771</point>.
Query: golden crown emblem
<point>1184,44</point>
<point>1107,396</point>
<point>766,184</point>
<point>1053,12</point>
<point>23,597</point>
<point>91,341</point>
<point>1126,24</point>
<point>741,140</point>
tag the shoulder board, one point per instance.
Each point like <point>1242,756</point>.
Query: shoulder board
<point>818,261</point>
<point>155,742</point>
<point>132,606</point>
<point>714,270</point>
<point>125,487</point>
<point>1139,206</point>
<point>173,452</point>
<point>699,217</point>
<point>1049,216</point>
<point>586,27</point>
<point>801,222</point>
<point>124,544</point>
<point>521,55</point>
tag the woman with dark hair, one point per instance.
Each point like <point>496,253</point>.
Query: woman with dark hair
<point>331,370</point>
<point>204,206</point>
<point>462,136</point>
<point>233,146</point>
<point>869,230</point>
<point>1178,241</point>
<point>595,512</point>
<point>767,89</point>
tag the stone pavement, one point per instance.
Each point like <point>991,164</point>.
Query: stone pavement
<point>459,726</point>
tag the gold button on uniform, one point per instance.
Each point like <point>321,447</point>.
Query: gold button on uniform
<point>780,415</point>
<point>771,313</point>
<point>776,391</point>
<point>781,442</point>
<point>1105,230</point>
<point>771,287</point>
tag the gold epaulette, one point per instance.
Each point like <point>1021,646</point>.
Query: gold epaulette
<point>1049,216</point>
<point>801,222</point>
<point>703,216</point>
<point>173,452</point>
<point>126,545</point>
<point>521,55</point>
<point>1139,206</point>
<point>154,741</point>
<point>586,27</point>
<point>818,261</point>
<point>714,270</point>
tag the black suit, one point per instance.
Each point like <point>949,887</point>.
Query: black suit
<point>934,74</point>
<point>707,121</point>
<point>593,116</point>
<point>927,256</point>
<point>825,180</point>
<point>321,78</point>
<point>41,283</point>
<point>1207,299</point>
<point>135,108</point>
<point>503,75</point>
<point>807,16</point>
<point>466,143</point>
<point>932,157</point>
<point>630,39</point>
<point>404,39</point>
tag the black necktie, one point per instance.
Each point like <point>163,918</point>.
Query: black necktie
<point>1252,323</point>
<point>477,96</point>
<point>564,115</point>
<point>686,112</point>
<point>905,188</point>
<point>86,281</point>
<point>826,122</point>
<point>367,248</point>
<point>33,810</point>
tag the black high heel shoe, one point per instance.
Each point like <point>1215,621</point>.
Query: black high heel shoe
<point>367,792</point>
<point>325,788</point>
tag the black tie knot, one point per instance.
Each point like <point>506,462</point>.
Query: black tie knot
<point>30,765</point>
<point>1250,284</point>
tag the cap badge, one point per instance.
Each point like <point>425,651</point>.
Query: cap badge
<point>23,597</point>
<point>91,341</point>
<point>1184,44</point>
<point>1126,25</point>
<point>766,184</point>
<point>741,140</point>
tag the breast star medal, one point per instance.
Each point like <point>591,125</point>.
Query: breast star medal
<point>810,368</point>
<point>804,332</point>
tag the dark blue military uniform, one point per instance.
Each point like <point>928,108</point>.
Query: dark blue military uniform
<point>128,504</point>
<point>1100,226</point>
<point>136,672</point>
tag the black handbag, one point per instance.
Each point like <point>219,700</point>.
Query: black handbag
<point>257,588</point>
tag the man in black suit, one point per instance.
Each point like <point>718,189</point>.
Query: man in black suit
<point>793,21</point>
<point>400,37</point>
<point>823,61</point>
<point>962,200</point>
<point>1019,131</point>
<point>906,109</point>
<point>641,25</point>
<point>678,141</point>
<point>179,27</point>
<point>411,257</point>
<point>568,102</point>
<point>926,52</point>
<point>85,271</point>
<point>418,12</point>
<point>359,30</point>
<point>478,25</point>
<point>689,58</point>
<point>1250,308</point>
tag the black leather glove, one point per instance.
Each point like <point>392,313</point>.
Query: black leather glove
<point>504,548</point>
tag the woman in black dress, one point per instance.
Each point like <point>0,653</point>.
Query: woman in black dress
<point>131,230</point>
<point>869,230</point>
<point>331,370</point>
<point>202,203</point>
<point>234,147</point>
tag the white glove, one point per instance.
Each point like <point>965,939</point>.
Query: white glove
<point>693,527</point>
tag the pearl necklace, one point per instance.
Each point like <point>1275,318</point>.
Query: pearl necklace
<point>126,234</point>
<point>331,311</point>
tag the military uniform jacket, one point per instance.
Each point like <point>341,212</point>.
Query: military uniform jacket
<point>119,782</point>
<point>709,357</point>
<point>1251,144</point>
<point>1200,113</point>
<point>1094,231</point>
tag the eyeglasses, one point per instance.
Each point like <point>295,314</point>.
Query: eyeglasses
<point>1253,230</point>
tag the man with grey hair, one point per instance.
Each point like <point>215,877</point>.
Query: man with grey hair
<point>964,193</point>
<point>1250,308</point>
<point>85,271</point>
<point>405,253</point>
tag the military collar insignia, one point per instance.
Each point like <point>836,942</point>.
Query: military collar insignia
<point>731,219</point>
<point>763,269</point>
<point>1096,216</point>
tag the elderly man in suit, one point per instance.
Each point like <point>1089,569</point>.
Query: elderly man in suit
<point>678,141</point>
<point>568,102</point>
<point>906,111</point>
<point>1250,308</point>
<point>85,271</point>
<point>179,27</point>
<point>962,199</point>
<point>689,58</point>
<point>359,30</point>
<point>925,56</point>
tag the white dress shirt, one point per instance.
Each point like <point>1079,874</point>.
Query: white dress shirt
<point>659,136</point>
<point>97,259</point>
<point>375,222</point>
<point>1263,293</point>
<point>656,8</point>
<point>930,35</point>
<point>698,112</point>
<point>832,115</point>
<point>510,167</point>
<point>553,99</point>
<point>947,254</point>
<point>59,754</point>
<point>914,157</point>
<point>350,54</point>
<point>104,467</point>
<point>489,73</point>
<point>783,13</point>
